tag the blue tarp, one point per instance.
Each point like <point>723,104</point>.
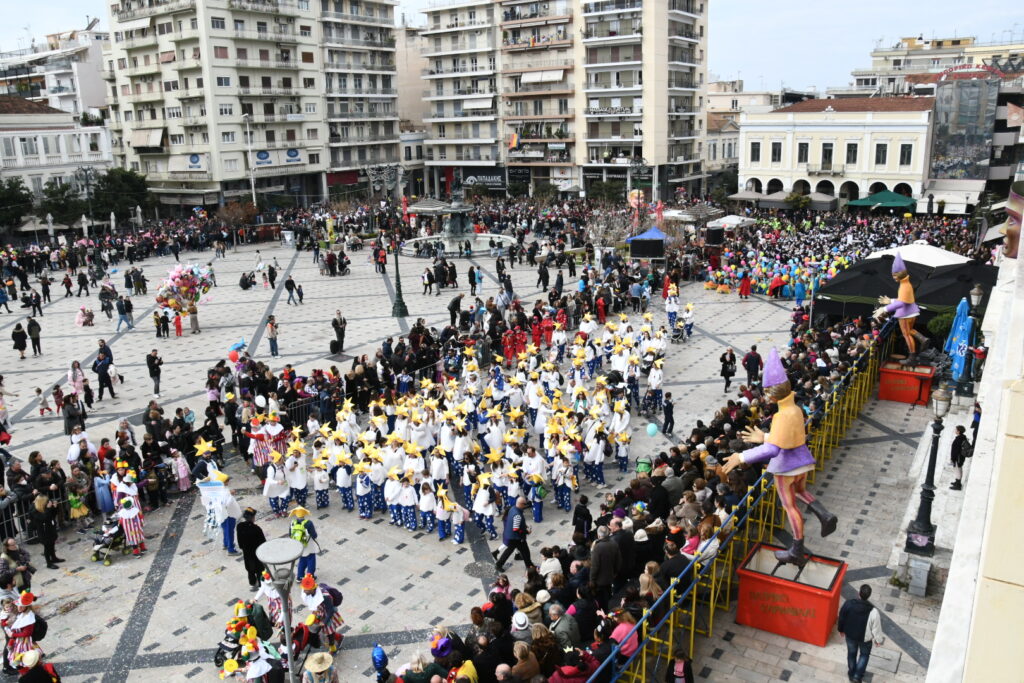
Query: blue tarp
<point>652,234</point>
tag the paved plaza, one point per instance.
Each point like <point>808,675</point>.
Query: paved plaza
<point>160,617</point>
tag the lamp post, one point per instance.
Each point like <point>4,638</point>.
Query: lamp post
<point>280,555</point>
<point>85,176</point>
<point>975,296</point>
<point>248,145</point>
<point>387,176</point>
<point>921,532</point>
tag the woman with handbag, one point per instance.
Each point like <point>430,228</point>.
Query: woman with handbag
<point>728,361</point>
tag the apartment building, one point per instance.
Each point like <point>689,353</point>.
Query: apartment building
<point>913,66</point>
<point>460,43</point>
<point>62,72</point>
<point>412,107</point>
<point>361,89</point>
<point>566,93</point>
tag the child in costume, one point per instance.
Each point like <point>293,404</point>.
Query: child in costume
<point>324,618</point>
<point>321,484</point>
<point>785,446</point>
<point>130,521</point>
<point>427,505</point>
<point>407,501</point>
<point>343,480</point>
<point>364,490</point>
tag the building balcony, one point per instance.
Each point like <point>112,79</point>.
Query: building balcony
<point>335,40</point>
<point>607,62</point>
<point>153,96</point>
<point>383,67</point>
<point>192,121</point>
<point>107,75</point>
<point>186,34</point>
<point>181,176</point>
<point>684,134</point>
<point>153,10</point>
<point>686,36</point>
<point>193,94</point>
<point>463,158</point>
<point>613,111</point>
<point>521,17</point>
<point>148,40</point>
<point>457,48</point>
<point>268,92</point>
<point>357,18</point>
<point>607,37</point>
<point>456,26</point>
<point>355,115</point>
<point>480,70</point>
<point>689,7</point>
<point>61,90</point>
<point>538,64</point>
<point>35,161</point>
<point>459,141</point>
<point>468,115</point>
<point>457,92</point>
<point>607,85</point>
<point>824,169</point>
<point>605,6</point>
<point>549,42</point>
<point>540,158</point>
<point>287,64</point>
<point>615,139</point>
<point>682,84</point>
<point>287,7</point>
<point>547,90</point>
<point>274,37</point>
<point>338,140</point>
<point>142,69</point>
<point>548,114</point>
<point>359,92</point>
<point>187,64</point>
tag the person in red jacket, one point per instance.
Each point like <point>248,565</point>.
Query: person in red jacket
<point>577,667</point>
<point>520,340</point>
<point>601,312</point>
<point>535,332</point>
<point>508,346</point>
<point>547,328</point>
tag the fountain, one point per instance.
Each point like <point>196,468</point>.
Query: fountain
<point>457,230</point>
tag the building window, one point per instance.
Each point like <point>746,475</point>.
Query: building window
<point>408,153</point>
<point>803,152</point>
<point>226,109</point>
<point>220,51</point>
<point>312,133</point>
<point>239,25</point>
<point>314,158</point>
<point>851,153</point>
<point>227,136</point>
<point>310,107</point>
<point>776,152</point>
<point>305,31</point>
<point>881,154</point>
<point>307,57</point>
<point>231,164</point>
<point>755,152</point>
<point>217,22</point>
<point>172,113</point>
<point>223,81</point>
<point>176,139</point>
<point>906,154</point>
<point>309,83</point>
<point>240,53</point>
<point>713,150</point>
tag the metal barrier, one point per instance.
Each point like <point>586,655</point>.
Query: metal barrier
<point>688,607</point>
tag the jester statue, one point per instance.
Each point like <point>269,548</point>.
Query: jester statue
<point>785,446</point>
<point>904,309</point>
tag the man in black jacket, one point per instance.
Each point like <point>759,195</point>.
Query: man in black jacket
<point>514,536</point>
<point>605,564</point>
<point>250,536</point>
<point>153,362</point>
<point>860,622</point>
<point>455,307</point>
<point>340,325</point>
<point>623,538</point>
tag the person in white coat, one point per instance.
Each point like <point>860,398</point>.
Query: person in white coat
<point>295,472</point>
<point>227,511</point>
<point>275,487</point>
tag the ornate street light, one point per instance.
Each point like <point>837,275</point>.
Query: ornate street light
<point>921,532</point>
<point>280,555</point>
<point>387,176</point>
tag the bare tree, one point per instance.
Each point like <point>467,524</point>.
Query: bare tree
<point>235,213</point>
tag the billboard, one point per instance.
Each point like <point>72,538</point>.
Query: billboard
<point>965,115</point>
<point>493,178</point>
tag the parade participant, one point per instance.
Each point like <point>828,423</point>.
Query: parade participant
<point>250,537</point>
<point>227,512</point>
<point>321,484</point>
<point>303,531</point>
<point>343,480</point>
<point>319,668</point>
<point>483,505</point>
<point>364,490</point>
<point>131,522</point>
<point>324,618</point>
<point>34,670</point>
<point>427,505</point>
<point>407,501</point>
<point>295,472</point>
<point>275,486</point>
<point>904,309</point>
<point>274,601</point>
<point>785,446</point>
<point>20,628</point>
<point>392,491</point>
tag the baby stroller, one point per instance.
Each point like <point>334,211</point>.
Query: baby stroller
<point>109,540</point>
<point>679,333</point>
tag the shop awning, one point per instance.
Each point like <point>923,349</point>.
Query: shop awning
<point>479,103</point>
<point>552,76</point>
<point>994,234</point>
<point>147,137</point>
<point>885,200</point>
<point>134,24</point>
<point>533,77</point>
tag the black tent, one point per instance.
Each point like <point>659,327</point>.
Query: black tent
<point>855,291</point>
<point>947,285</point>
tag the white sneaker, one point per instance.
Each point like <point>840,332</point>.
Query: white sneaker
<point>156,395</point>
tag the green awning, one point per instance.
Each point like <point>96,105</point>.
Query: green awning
<point>885,200</point>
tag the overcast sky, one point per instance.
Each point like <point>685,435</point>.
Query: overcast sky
<point>799,44</point>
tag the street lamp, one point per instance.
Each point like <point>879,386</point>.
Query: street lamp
<point>248,144</point>
<point>387,176</point>
<point>85,176</point>
<point>921,532</point>
<point>280,555</point>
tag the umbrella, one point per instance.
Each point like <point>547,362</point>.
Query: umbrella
<point>946,285</point>
<point>959,339</point>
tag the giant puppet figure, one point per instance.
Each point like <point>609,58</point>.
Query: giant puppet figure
<point>785,446</point>
<point>904,309</point>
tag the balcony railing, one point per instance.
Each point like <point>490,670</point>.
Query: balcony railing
<point>361,91</point>
<point>267,35</point>
<point>688,6</point>
<point>825,169</point>
<point>611,6</point>
<point>682,83</point>
<point>145,96</point>
<point>182,176</point>
<point>613,111</point>
<point>468,113</point>
<point>269,64</point>
<point>185,64</point>
<point>148,40</point>
<point>480,68</point>
<point>459,156</point>
<point>538,63</point>
<point>624,85</point>
<point>362,115</point>
<point>457,25</point>
<point>458,92</point>
<point>512,16</point>
<point>360,66</point>
<point>265,6</point>
<point>590,33</point>
<point>342,16</point>
<point>143,69</point>
<point>458,46</point>
<point>159,8</point>
<point>545,114</point>
<point>339,39</point>
<point>268,92</point>
<point>551,40</point>
<point>357,139</point>
<point>541,89</point>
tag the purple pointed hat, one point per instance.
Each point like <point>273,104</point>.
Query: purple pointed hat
<point>897,264</point>
<point>774,373</point>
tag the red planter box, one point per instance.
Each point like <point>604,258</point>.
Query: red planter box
<point>904,384</point>
<point>803,607</point>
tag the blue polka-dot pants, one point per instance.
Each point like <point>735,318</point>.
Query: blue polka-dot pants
<point>444,529</point>
<point>378,497</point>
<point>365,506</point>
<point>409,517</point>
<point>347,501</point>
<point>396,515</point>
<point>300,495</point>
<point>563,498</point>
<point>427,521</point>
<point>323,498</point>
<point>459,533</point>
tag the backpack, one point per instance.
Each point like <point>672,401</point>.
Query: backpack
<point>966,449</point>
<point>331,605</point>
<point>40,629</point>
<point>299,532</point>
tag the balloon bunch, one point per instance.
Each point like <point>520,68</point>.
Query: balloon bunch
<point>185,284</point>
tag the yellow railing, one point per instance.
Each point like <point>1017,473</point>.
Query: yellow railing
<point>688,607</point>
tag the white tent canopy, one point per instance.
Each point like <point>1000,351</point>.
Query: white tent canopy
<point>731,222</point>
<point>923,254</point>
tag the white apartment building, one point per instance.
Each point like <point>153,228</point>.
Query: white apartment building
<point>847,148</point>
<point>566,93</point>
<point>63,72</point>
<point>39,143</point>
<point>912,66</point>
<point>414,162</point>
<point>361,87</point>
<point>722,151</point>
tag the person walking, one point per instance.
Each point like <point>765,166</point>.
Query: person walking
<point>153,362</point>
<point>861,624</point>
<point>101,366</point>
<point>728,361</point>
<point>339,324</point>
<point>272,335</point>
<point>122,314</point>
<point>34,330</point>
<point>303,531</point>
<point>753,364</point>
<point>193,318</point>
<point>36,302</point>
<point>289,286</point>
<point>455,307</point>
<point>514,536</point>
<point>20,339</point>
<point>250,537</point>
<point>83,284</point>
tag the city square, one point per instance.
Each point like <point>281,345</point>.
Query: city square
<point>473,341</point>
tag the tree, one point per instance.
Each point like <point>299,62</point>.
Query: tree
<point>797,201</point>
<point>120,190</point>
<point>518,189</point>
<point>236,213</point>
<point>477,190</point>
<point>63,201</point>
<point>15,202</point>
<point>607,191</point>
<point>544,191</point>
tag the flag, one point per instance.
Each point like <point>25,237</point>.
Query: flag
<point>959,339</point>
<point>513,142</point>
